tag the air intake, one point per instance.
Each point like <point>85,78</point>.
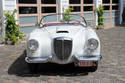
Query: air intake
<point>62,48</point>
<point>62,32</point>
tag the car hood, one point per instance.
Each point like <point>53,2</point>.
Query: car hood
<point>64,30</point>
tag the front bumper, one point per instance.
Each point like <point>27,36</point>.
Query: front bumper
<point>88,58</point>
<point>37,59</point>
<point>76,58</point>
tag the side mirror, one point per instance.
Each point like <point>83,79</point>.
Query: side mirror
<point>41,25</point>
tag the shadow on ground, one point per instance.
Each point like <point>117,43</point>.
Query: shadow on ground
<point>19,68</point>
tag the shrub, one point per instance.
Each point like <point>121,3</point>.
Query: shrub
<point>66,16</point>
<point>100,13</point>
<point>12,30</point>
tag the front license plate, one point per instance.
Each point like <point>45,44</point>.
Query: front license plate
<point>85,64</point>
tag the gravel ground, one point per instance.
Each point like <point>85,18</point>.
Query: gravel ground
<point>13,68</point>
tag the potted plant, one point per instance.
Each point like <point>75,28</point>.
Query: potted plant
<point>13,33</point>
<point>100,13</point>
<point>66,16</point>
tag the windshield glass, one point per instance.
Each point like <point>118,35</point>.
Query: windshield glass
<point>62,18</point>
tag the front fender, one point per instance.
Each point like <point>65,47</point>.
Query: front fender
<point>44,48</point>
<point>80,43</point>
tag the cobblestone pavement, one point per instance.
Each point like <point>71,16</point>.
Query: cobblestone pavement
<point>13,68</point>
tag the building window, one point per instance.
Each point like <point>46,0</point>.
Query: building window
<point>76,8</point>
<point>88,15</point>
<point>107,20</point>
<point>106,7</point>
<point>106,1</point>
<point>88,1</point>
<point>115,13</point>
<point>74,1</point>
<point>88,8</point>
<point>89,22</point>
<point>27,1</point>
<point>115,1</point>
<point>27,10</point>
<point>48,1</point>
<point>115,7</point>
<point>48,9</point>
<point>28,19</point>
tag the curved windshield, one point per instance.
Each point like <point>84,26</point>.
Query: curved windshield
<point>62,19</point>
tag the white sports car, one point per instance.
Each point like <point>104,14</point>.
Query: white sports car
<point>63,39</point>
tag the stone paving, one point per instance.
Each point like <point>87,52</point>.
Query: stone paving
<point>13,68</point>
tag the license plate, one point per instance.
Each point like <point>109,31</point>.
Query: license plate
<point>85,64</point>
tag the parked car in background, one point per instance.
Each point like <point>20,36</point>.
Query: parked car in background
<point>63,39</point>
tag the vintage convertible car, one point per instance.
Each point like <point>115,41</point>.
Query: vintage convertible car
<point>63,39</point>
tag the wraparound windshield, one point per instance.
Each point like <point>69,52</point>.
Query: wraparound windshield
<point>62,19</point>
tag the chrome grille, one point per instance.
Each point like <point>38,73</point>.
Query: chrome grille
<point>62,48</point>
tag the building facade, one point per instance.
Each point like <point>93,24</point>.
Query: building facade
<point>30,11</point>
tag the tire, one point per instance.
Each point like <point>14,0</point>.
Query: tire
<point>94,68</point>
<point>33,67</point>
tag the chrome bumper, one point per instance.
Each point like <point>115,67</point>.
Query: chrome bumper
<point>37,59</point>
<point>88,58</point>
<point>46,59</point>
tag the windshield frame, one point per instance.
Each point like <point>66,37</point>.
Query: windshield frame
<point>81,17</point>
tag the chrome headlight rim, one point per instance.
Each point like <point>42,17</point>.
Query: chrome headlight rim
<point>92,44</point>
<point>32,45</point>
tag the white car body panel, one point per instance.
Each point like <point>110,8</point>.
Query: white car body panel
<point>79,34</point>
<point>63,42</point>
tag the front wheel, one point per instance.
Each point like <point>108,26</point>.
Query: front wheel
<point>33,67</point>
<point>94,67</point>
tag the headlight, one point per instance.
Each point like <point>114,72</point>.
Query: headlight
<point>92,44</point>
<point>32,45</point>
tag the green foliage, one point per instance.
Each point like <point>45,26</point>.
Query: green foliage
<point>13,32</point>
<point>100,13</point>
<point>123,15</point>
<point>66,16</point>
